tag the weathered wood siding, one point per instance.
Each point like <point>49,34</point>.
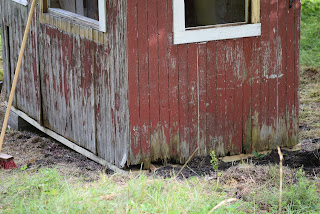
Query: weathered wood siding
<point>13,23</point>
<point>83,77</point>
<point>231,96</point>
<point>84,85</point>
<point>131,95</point>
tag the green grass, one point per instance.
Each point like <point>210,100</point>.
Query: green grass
<point>48,192</point>
<point>310,33</point>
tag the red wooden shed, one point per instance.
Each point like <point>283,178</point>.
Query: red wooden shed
<point>127,82</point>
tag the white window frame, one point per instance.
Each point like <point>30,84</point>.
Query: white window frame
<point>208,33</point>
<point>22,2</point>
<point>100,25</point>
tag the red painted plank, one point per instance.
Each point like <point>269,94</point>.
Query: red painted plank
<point>202,97</point>
<point>247,94</point>
<point>297,19</point>
<point>239,75</point>
<point>133,76</point>
<point>144,89</point>
<point>273,75</point>
<point>230,94</point>
<point>211,96</point>
<point>290,72</point>
<point>164,78</point>
<point>220,128</point>
<point>282,71</point>
<point>256,96</point>
<point>183,103</point>
<point>263,143</point>
<point>193,96</point>
<point>154,80</point>
<point>173,86</point>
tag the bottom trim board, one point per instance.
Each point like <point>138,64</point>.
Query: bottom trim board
<point>67,142</point>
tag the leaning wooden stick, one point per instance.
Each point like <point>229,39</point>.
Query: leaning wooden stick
<point>187,162</point>
<point>280,164</point>
<point>5,158</point>
<point>222,203</point>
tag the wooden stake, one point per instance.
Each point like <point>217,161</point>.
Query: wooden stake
<point>16,75</point>
<point>280,164</point>
<point>187,162</point>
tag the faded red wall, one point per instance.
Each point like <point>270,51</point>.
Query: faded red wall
<point>231,95</point>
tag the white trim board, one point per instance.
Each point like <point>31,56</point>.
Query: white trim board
<point>23,2</point>
<point>219,33</point>
<point>67,143</point>
<point>182,35</point>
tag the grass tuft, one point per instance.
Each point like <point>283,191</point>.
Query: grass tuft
<point>310,33</point>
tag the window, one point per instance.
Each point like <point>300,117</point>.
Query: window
<point>205,20</point>
<point>87,12</point>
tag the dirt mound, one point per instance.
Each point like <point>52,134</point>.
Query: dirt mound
<point>308,160</point>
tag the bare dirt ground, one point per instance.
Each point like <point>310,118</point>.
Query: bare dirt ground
<point>34,150</point>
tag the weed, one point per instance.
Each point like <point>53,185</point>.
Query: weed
<point>215,165</point>
<point>257,155</point>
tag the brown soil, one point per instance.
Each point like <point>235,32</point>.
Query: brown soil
<point>34,150</point>
<point>308,160</point>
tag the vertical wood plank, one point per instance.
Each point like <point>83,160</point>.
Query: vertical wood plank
<point>282,72</point>
<point>193,96</point>
<point>154,80</point>
<point>134,97</point>
<point>239,77</point>
<point>247,94</point>
<point>144,80</point>
<point>297,20</point>
<point>256,96</point>
<point>221,97</point>
<point>173,86</point>
<point>290,73</point>
<point>273,75</point>
<point>211,96</point>
<point>164,78</point>
<point>183,103</point>
<point>202,97</point>
<point>263,143</point>
<point>230,70</point>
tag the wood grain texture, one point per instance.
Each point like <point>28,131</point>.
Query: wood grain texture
<point>131,95</point>
<point>264,129</point>
<point>173,66</point>
<point>247,91</point>
<point>27,96</point>
<point>164,79</point>
<point>297,25</point>
<point>282,72</point>
<point>211,106</point>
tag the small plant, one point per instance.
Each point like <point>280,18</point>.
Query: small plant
<point>257,155</point>
<point>215,165</point>
<point>23,168</point>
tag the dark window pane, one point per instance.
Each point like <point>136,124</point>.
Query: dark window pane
<point>213,12</point>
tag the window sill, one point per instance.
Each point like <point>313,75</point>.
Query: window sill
<point>75,18</point>
<point>217,33</point>
<point>22,2</point>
